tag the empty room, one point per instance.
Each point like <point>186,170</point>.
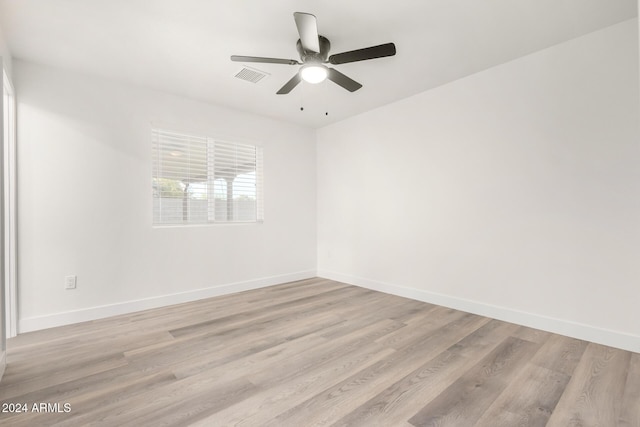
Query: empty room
<point>221,213</point>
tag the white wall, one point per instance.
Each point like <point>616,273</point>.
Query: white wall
<point>85,204</point>
<point>5,54</point>
<point>5,64</point>
<point>514,192</point>
<point>3,315</point>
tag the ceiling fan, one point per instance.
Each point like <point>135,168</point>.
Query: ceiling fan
<point>314,50</point>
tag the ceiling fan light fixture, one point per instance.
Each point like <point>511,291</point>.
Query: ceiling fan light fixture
<point>314,73</point>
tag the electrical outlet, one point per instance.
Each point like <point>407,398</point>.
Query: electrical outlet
<point>70,282</point>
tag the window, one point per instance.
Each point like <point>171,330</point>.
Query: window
<point>200,180</point>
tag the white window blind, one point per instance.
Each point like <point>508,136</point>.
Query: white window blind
<point>199,180</point>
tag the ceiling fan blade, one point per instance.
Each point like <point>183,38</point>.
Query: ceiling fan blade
<point>341,80</point>
<point>238,58</point>
<point>380,51</point>
<point>308,30</point>
<point>288,87</point>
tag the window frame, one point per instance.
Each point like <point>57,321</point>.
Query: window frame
<point>213,211</point>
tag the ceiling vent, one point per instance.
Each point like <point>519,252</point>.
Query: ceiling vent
<point>251,74</point>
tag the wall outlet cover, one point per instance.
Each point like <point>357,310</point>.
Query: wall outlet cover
<point>70,282</point>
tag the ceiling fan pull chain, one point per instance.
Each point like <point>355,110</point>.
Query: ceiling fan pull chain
<point>324,101</point>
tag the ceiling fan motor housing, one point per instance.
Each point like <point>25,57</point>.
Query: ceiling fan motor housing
<point>307,55</point>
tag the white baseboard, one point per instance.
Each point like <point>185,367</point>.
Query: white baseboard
<point>92,313</point>
<point>559,326</point>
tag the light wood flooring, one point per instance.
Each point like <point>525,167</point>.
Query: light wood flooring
<point>315,352</point>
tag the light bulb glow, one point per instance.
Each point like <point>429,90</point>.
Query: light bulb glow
<point>314,73</point>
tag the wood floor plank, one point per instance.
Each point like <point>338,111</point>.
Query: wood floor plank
<point>335,402</point>
<point>324,355</point>
<point>70,356</point>
<point>57,374</point>
<point>488,336</point>
<point>104,382</point>
<point>391,406</point>
<point>315,352</point>
<point>226,346</point>
<point>240,357</point>
<point>431,320</point>
<point>630,412</point>
<point>529,400</point>
<point>278,395</point>
<point>167,400</point>
<point>560,354</point>
<point>180,412</point>
<point>268,312</point>
<point>464,402</point>
<point>88,398</point>
<point>533,335</point>
<point>593,397</point>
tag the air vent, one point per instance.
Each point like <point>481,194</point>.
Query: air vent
<point>251,74</point>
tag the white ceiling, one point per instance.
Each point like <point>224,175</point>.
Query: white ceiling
<point>183,47</point>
